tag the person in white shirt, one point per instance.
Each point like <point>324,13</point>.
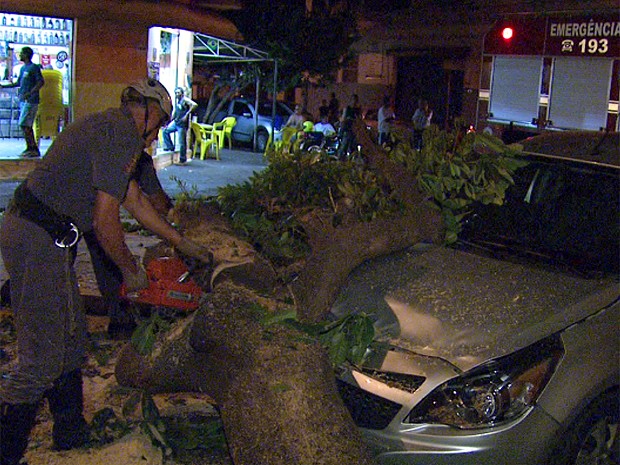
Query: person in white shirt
<point>421,120</point>
<point>384,117</point>
<point>325,126</point>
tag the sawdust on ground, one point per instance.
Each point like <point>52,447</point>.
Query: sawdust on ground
<point>101,390</point>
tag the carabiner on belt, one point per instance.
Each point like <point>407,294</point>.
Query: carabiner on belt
<point>71,237</point>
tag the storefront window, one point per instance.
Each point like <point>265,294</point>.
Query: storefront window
<point>51,40</point>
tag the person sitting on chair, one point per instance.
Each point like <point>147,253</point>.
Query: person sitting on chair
<point>325,126</point>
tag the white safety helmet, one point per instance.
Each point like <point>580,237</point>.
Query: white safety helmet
<point>152,88</point>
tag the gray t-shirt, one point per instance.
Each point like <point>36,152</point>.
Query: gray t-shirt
<point>98,152</point>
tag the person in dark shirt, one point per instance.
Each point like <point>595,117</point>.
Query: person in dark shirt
<point>29,81</point>
<point>180,122</point>
<point>87,175</point>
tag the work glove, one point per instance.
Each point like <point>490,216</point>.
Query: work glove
<point>135,281</point>
<point>192,249</point>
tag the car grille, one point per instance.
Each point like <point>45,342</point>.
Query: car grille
<point>368,410</point>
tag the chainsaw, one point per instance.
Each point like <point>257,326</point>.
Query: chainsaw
<point>170,285</point>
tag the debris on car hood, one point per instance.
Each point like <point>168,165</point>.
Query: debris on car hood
<point>466,308</point>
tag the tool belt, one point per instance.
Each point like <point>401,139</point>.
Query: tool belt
<point>60,227</point>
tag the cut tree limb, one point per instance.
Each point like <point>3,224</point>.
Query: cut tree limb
<point>274,386</point>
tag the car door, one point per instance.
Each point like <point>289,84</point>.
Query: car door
<point>244,128</point>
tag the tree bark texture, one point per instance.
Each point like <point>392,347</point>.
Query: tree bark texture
<point>275,386</point>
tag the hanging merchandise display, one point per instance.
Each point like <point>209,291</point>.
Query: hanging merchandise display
<point>51,39</point>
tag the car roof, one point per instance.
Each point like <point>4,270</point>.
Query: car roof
<point>587,146</point>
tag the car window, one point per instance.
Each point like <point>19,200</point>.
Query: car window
<point>568,211</point>
<point>239,108</point>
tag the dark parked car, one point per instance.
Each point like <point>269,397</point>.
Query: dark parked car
<point>504,348</point>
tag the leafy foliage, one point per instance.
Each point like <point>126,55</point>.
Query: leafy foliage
<point>173,435</point>
<point>454,168</point>
<point>145,335</point>
<point>346,339</point>
<point>304,43</point>
<point>459,169</point>
<point>265,209</point>
<point>107,427</point>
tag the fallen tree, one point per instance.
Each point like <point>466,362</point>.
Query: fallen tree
<point>273,383</point>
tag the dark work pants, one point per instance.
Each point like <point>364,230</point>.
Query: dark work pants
<point>47,307</point>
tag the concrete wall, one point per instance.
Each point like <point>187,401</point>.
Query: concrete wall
<point>108,55</point>
<point>111,38</point>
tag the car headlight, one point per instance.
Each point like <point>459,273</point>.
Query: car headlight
<point>498,391</point>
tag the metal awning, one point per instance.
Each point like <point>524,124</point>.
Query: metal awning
<point>211,49</point>
<point>214,50</point>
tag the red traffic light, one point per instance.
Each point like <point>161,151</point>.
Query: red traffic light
<point>507,33</point>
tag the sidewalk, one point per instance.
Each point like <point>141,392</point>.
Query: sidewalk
<point>202,177</point>
<point>206,176</point>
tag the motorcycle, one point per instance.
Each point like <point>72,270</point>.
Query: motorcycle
<point>317,142</point>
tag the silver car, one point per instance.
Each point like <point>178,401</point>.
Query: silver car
<point>504,348</point>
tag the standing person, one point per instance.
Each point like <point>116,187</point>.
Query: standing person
<point>421,120</point>
<point>384,118</point>
<point>84,180</point>
<point>109,276</point>
<point>334,108</point>
<point>180,122</point>
<point>352,111</point>
<point>323,109</point>
<point>29,81</point>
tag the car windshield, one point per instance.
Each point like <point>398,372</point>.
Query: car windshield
<point>564,212</point>
<point>265,109</point>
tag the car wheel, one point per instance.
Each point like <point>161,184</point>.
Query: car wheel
<point>261,141</point>
<point>593,438</point>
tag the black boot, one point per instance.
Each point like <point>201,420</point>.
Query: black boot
<point>66,402</point>
<point>16,422</point>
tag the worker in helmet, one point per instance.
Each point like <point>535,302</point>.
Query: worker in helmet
<point>85,178</point>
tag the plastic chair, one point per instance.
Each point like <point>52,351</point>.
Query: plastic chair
<point>287,137</point>
<point>204,138</point>
<point>223,130</point>
<point>51,109</point>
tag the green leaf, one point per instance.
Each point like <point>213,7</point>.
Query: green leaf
<point>273,318</point>
<point>150,412</point>
<point>143,338</point>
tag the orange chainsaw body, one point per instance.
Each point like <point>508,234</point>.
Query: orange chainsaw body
<point>165,288</point>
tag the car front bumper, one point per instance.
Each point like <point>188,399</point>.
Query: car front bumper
<point>525,441</point>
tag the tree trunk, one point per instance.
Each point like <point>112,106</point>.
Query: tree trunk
<point>336,251</point>
<point>274,386</point>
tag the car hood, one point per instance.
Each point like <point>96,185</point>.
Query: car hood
<point>466,308</point>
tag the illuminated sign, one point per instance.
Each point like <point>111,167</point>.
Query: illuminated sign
<point>584,37</point>
<point>593,36</point>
